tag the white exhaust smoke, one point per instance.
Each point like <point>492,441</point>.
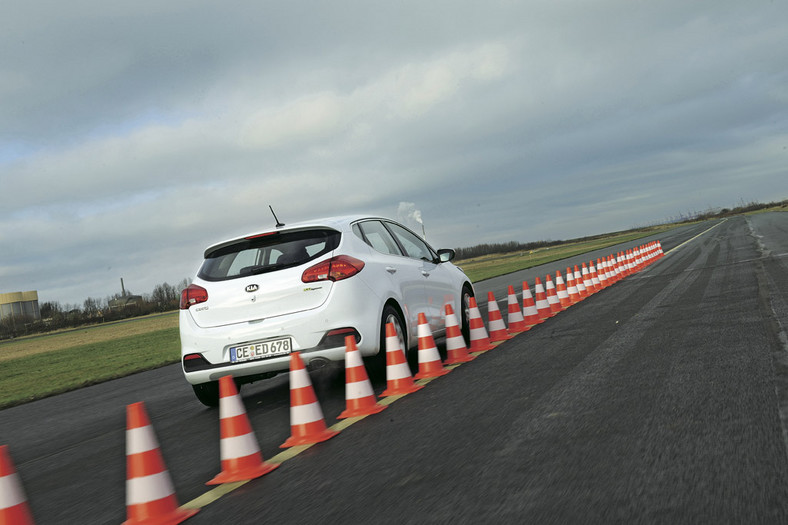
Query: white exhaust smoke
<point>408,215</point>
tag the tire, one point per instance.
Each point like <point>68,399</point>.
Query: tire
<point>207,393</point>
<point>465,298</point>
<point>391,315</point>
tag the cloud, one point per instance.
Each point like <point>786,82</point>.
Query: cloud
<point>133,135</point>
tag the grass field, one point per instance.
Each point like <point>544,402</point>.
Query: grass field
<point>40,366</point>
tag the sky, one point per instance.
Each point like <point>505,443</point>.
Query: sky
<point>135,134</point>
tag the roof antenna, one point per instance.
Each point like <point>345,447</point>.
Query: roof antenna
<point>278,224</point>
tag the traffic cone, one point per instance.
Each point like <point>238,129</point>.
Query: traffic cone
<point>498,330</point>
<point>398,377</point>
<point>587,280</point>
<point>581,287</point>
<point>480,341</point>
<point>552,295</point>
<point>563,294</point>
<point>150,495</point>
<point>306,417</point>
<point>542,306</point>
<point>530,313</point>
<point>593,276</point>
<point>516,322</point>
<point>13,503</point>
<point>571,287</point>
<point>601,269</point>
<point>456,350</point>
<point>240,452</point>
<point>360,399</point>
<point>429,359</point>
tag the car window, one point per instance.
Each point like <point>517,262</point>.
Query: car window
<point>414,247</point>
<point>377,236</point>
<point>266,253</point>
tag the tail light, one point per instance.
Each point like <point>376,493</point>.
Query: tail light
<point>334,269</point>
<point>192,295</point>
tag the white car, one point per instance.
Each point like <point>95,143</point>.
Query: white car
<point>305,287</point>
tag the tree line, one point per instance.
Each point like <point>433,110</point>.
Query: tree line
<point>58,316</point>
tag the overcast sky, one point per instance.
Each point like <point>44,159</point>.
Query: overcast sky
<point>134,134</point>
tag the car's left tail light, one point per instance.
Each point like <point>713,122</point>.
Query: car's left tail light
<point>334,269</point>
<point>192,295</point>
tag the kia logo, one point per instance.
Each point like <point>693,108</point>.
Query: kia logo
<point>252,288</point>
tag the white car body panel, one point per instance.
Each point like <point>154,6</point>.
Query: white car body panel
<point>284,306</point>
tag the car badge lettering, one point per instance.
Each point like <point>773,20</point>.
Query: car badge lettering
<point>252,288</point>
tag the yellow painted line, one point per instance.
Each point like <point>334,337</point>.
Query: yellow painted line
<point>213,494</point>
<point>698,235</point>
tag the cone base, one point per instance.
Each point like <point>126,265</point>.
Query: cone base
<point>432,373</point>
<point>176,516</point>
<point>481,348</point>
<point>317,437</point>
<point>243,474</point>
<point>362,411</point>
<point>400,390</point>
<point>457,360</point>
<point>502,336</point>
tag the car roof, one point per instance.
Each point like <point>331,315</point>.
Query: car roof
<point>340,223</point>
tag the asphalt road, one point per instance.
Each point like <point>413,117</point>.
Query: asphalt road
<point>658,400</point>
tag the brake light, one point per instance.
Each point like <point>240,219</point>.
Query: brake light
<point>192,295</point>
<point>334,269</point>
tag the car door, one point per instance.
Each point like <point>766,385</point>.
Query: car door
<point>437,288</point>
<point>405,271</point>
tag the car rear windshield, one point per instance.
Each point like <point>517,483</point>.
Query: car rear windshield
<point>266,253</point>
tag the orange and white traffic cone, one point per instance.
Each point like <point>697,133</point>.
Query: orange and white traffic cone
<point>560,290</point>
<point>429,359</point>
<point>542,306</point>
<point>587,280</point>
<point>150,495</point>
<point>516,322</point>
<point>13,503</point>
<point>552,295</point>
<point>530,313</point>
<point>307,424</point>
<point>571,287</point>
<point>498,330</point>
<point>601,270</point>
<point>581,286</point>
<point>480,341</point>
<point>398,377</point>
<point>594,276</point>
<point>239,450</point>
<point>456,351</point>
<point>360,399</point>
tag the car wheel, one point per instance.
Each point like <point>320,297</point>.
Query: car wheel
<point>207,393</point>
<point>391,315</point>
<point>465,313</point>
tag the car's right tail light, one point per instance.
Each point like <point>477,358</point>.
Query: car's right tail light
<point>192,295</point>
<point>334,269</point>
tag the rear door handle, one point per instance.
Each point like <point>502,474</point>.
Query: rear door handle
<point>425,273</point>
<point>391,269</point>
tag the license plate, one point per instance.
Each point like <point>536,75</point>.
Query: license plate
<point>261,350</point>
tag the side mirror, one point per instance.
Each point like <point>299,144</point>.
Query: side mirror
<point>445,255</point>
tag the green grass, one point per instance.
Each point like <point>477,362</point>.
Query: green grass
<point>44,374</point>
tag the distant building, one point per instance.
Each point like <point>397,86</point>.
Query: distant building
<point>19,304</point>
<point>128,301</point>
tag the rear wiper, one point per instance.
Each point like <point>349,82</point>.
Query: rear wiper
<point>260,268</point>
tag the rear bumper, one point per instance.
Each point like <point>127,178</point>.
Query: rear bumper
<point>352,305</point>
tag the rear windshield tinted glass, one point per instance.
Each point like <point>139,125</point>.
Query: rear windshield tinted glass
<point>267,253</point>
